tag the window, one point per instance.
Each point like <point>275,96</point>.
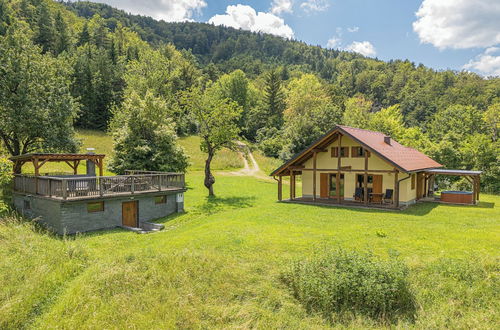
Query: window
<point>359,152</point>
<point>344,152</point>
<point>27,205</point>
<point>412,181</point>
<point>95,207</point>
<point>160,199</point>
<point>361,179</point>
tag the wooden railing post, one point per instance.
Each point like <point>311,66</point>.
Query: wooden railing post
<point>159,181</point>
<point>50,188</point>
<point>132,186</point>
<point>65,188</point>
<point>101,187</point>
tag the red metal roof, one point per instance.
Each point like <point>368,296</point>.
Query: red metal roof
<point>406,158</point>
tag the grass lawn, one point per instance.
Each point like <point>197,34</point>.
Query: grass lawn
<point>218,264</point>
<point>103,143</point>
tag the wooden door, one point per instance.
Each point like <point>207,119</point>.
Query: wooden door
<point>377,188</point>
<point>324,185</point>
<point>129,214</point>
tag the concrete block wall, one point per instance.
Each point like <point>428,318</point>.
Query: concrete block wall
<point>45,211</point>
<point>70,217</point>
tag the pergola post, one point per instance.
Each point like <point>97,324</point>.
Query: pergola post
<point>280,188</point>
<point>100,164</point>
<point>478,189</point>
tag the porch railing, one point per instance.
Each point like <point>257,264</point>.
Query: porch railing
<point>93,186</point>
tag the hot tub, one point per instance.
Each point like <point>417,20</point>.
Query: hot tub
<point>458,197</point>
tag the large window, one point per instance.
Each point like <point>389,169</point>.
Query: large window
<point>344,152</point>
<point>359,152</point>
<point>333,185</point>
<point>95,207</point>
<point>413,181</point>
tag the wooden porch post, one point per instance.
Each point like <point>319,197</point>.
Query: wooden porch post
<point>396,190</point>
<point>292,179</point>
<point>365,179</point>
<point>280,188</point>
<point>339,164</point>
<point>314,174</point>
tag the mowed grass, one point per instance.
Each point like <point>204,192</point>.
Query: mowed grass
<point>218,265</point>
<point>102,142</point>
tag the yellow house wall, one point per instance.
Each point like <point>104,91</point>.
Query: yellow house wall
<point>325,161</point>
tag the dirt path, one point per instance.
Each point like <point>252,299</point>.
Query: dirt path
<point>249,169</point>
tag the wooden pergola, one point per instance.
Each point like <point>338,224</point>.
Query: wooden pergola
<point>474,178</point>
<point>73,160</point>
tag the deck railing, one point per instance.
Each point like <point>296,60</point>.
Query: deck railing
<point>94,186</point>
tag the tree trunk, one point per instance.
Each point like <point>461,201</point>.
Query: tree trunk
<point>209,178</point>
<point>17,167</point>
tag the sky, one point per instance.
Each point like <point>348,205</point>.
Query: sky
<point>441,34</point>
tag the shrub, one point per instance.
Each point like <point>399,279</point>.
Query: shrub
<point>342,284</point>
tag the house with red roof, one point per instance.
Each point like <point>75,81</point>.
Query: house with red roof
<point>355,166</point>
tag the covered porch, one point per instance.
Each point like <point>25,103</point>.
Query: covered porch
<point>351,187</point>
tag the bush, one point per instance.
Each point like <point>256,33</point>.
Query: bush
<point>342,285</point>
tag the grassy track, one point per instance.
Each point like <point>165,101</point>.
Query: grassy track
<point>218,264</point>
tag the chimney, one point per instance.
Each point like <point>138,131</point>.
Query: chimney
<point>90,164</point>
<point>387,140</point>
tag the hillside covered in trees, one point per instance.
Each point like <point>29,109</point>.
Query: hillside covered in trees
<point>141,79</point>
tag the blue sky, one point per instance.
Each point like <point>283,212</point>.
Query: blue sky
<point>442,34</point>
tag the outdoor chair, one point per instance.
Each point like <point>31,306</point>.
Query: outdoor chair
<point>388,195</point>
<point>358,194</point>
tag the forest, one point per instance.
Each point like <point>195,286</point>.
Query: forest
<point>86,65</point>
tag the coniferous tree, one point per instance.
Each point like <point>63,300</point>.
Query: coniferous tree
<point>62,38</point>
<point>274,99</point>
<point>45,35</point>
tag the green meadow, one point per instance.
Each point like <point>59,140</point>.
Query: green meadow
<point>219,264</point>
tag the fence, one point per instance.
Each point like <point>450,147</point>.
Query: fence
<point>89,186</point>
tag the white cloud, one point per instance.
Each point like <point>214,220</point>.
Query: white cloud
<point>246,18</point>
<point>353,29</point>
<point>363,47</point>
<point>281,6</point>
<point>487,63</point>
<point>458,23</point>
<point>168,10</point>
<point>315,5</point>
<point>334,42</point>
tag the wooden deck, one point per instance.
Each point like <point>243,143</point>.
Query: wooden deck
<point>90,187</point>
<point>345,203</point>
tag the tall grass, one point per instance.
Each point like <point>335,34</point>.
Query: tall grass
<point>343,284</point>
<point>218,265</point>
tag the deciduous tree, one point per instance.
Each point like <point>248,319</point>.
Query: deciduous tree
<point>36,108</point>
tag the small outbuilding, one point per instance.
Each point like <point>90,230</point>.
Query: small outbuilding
<point>72,203</point>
